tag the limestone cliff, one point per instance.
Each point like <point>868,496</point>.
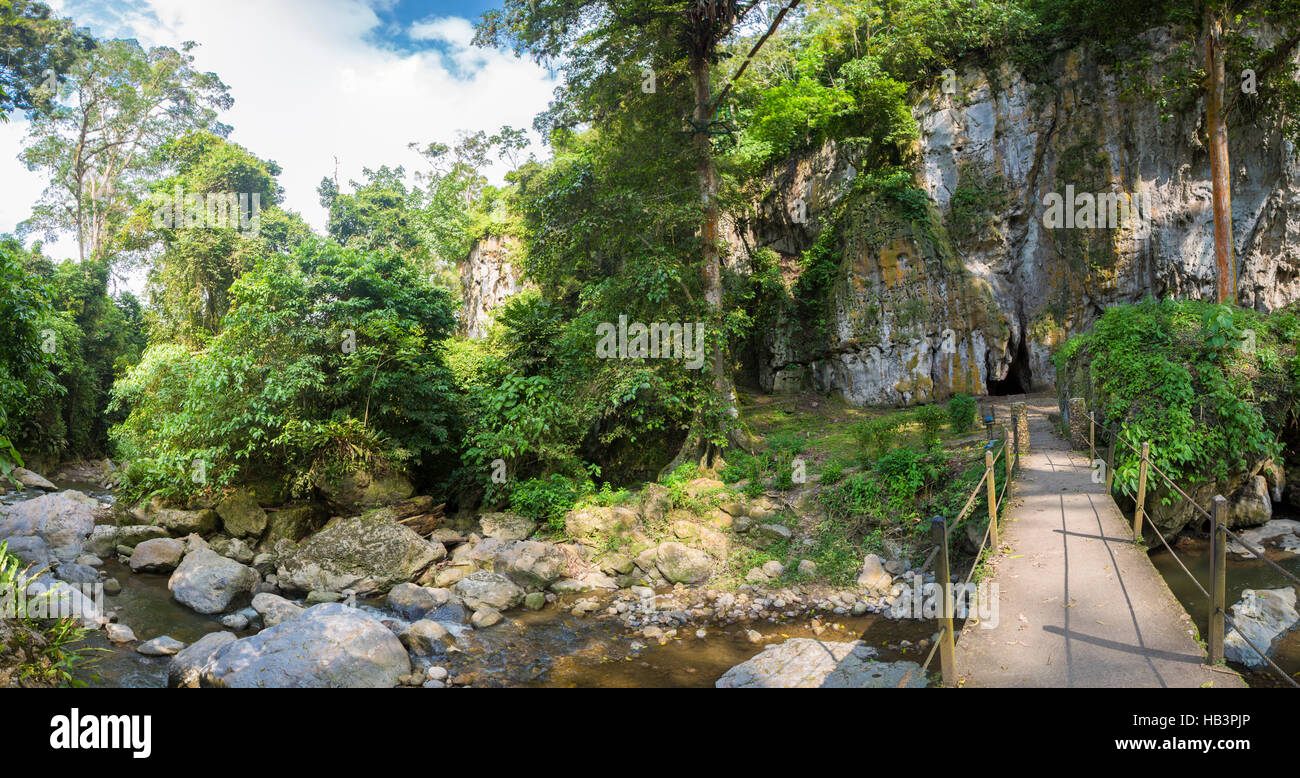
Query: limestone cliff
<point>488,275</point>
<point>975,296</point>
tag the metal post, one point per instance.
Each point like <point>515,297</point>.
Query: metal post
<point>1218,576</point>
<point>1142,492</point>
<point>1110,457</point>
<point>947,641</point>
<point>993,496</point>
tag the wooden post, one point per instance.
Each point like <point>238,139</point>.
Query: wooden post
<point>1015,439</point>
<point>947,641</point>
<point>1142,492</point>
<point>993,496</point>
<point>1110,457</point>
<point>1092,440</point>
<point>1218,576</point>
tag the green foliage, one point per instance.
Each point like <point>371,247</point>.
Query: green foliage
<point>876,436</point>
<point>547,500</point>
<point>328,360</point>
<point>961,413</point>
<point>1179,374</point>
<point>773,468</point>
<point>932,419</point>
<point>50,650</point>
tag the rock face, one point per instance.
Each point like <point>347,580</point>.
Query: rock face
<point>804,663</point>
<point>364,554</point>
<point>209,583</point>
<point>361,490</point>
<point>914,316</point>
<point>487,277</point>
<point>63,520</point>
<point>328,646</point>
<point>1252,506</point>
<point>1263,614</point>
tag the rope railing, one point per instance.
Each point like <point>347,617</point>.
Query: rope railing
<point>945,638</point>
<point>1219,617</point>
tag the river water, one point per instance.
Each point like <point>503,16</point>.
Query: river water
<point>551,647</point>
<point>1243,573</point>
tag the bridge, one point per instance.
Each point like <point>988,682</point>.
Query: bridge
<point>1080,603</point>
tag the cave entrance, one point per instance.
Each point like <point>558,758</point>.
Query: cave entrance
<point>1019,377</point>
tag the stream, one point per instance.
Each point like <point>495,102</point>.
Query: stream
<point>1243,573</point>
<point>547,648</point>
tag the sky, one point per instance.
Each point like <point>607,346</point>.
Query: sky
<point>314,80</point>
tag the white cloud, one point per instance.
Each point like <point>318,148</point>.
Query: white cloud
<point>311,83</point>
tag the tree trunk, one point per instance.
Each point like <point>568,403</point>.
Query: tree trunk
<point>1217,131</point>
<point>698,448</point>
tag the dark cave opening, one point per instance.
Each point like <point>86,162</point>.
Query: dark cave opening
<point>1019,378</point>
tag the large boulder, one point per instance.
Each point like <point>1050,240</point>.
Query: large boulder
<point>31,480</point>
<point>241,516</point>
<point>328,646</point>
<point>180,522</point>
<point>48,598</point>
<point>63,520</point>
<point>363,554</point>
<point>805,663</point>
<point>160,555</point>
<point>530,563</point>
<point>188,665</point>
<point>275,609</point>
<point>1263,614</point>
<point>412,602</point>
<point>209,583</point>
<point>358,491</point>
<point>597,523</point>
<point>874,577</point>
<point>1252,506</point>
<point>507,526</point>
<point>492,590</point>
<point>292,522</point>
<point>682,564</point>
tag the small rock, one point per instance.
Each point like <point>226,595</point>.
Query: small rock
<point>161,646</point>
<point>485,617</point>
<point>119,633</point>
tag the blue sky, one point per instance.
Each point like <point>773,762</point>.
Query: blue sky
<point>315,81</point>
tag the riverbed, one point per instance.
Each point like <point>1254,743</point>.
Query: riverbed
<point>547,648</point>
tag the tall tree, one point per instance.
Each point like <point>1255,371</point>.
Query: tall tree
<point>598,43</point>
<point>100,151</point>
<point>36,50</point>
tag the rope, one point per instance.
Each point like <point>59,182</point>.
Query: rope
<point>1155,529</point>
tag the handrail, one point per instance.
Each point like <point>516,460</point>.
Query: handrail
<point>1217,610</point>
<point>947,632</point>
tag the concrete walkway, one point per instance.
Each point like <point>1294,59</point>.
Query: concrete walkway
<point>1080,605</point>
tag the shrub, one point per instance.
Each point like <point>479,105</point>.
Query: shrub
<point>547,500</point>
<point>932,419</point>
<point>48,650</point>
<point>875,436</point>
<point>961,412</point>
